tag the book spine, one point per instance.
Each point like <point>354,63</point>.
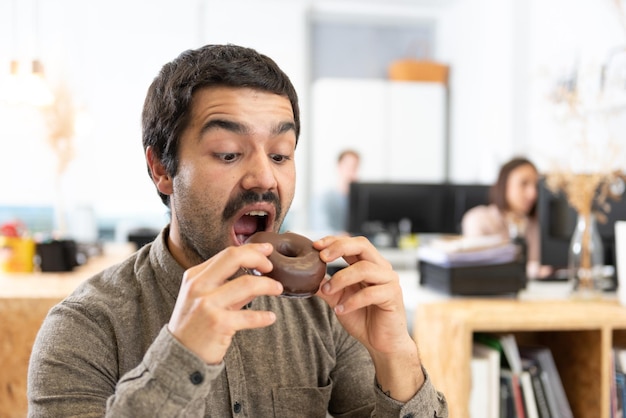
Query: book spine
<point>507,405</point>
<point>540,394</point>
<point>620,384</point>
<point>518,397</point>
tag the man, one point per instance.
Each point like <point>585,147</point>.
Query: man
<point>330,209</point>
<point>180,329</point>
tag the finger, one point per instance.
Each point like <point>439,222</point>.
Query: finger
<point>248,319</point>
<point>330,298</point>
<point>248,256</point>
<point>238,292</point>
<point>381,296</point>
<point>351,249</point>
<point>225,264</point>
<point>210,334</point>
<point>362,273</point>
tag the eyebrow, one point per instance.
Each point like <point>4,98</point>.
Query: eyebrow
<point>283,127</point>
<point>242,129</point>
<point>228,125</point>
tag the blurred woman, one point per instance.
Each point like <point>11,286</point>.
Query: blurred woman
<point>512,212</point>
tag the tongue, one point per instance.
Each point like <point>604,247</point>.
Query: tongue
<point>246,225</point>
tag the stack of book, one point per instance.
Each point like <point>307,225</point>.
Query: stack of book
<point>511,381</point>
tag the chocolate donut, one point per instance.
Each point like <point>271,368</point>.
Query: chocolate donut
<point>297,265</point>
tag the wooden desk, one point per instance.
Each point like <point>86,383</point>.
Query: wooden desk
<point>580,334</point>
<point>25,299</point>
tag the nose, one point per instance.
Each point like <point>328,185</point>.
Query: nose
<point>260,174</point>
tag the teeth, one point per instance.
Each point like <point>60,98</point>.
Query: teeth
<point>257,213</point>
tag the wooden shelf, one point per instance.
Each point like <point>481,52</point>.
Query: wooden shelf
<point>580,334</point>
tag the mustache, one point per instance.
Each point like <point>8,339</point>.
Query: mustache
<point>248,197</point>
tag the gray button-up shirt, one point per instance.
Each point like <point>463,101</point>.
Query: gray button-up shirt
<point>105,351</point>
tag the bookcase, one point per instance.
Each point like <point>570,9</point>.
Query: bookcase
<point>580,333</point>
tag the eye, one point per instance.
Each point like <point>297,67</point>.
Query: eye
<point>279,158</point>
<point>227,157</point>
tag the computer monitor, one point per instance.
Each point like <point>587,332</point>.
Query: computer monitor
<point>430,208</point>
<point>379,207</point>
<point>464,198</point>
<point>557,221</point>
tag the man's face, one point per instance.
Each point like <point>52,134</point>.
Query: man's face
<point>349,168</point>
<point>236,172</point>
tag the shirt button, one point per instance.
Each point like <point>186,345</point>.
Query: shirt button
<point>196,378</point>
<point>237,407</point>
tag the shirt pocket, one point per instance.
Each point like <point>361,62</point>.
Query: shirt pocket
<point>301,402</point>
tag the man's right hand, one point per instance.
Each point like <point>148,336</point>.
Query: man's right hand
<point>208,311</point>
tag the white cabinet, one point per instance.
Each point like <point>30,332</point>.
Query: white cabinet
<point>398,127</point>
<point>417,131</point>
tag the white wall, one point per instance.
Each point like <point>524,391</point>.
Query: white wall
<point>108,52</point>
<point>562,38</point>
<point>477,41</point>
<point>398,128</point>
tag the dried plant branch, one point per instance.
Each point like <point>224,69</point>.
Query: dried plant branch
<point>60,119</point>
<point>588,192</point>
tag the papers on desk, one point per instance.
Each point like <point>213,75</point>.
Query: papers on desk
<point>468,251</point>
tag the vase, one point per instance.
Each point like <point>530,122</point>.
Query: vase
<point>586,257</point>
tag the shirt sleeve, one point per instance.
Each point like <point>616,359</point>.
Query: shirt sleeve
<point>427,402</point>
<point>74,367</point>
<point>170,378</point>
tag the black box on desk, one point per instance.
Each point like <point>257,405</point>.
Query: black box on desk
<point>57,255</point>
<point>494,279</point>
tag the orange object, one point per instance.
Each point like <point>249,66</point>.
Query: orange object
<point>416,70</point>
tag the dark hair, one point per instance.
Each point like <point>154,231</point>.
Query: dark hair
<point>497,193</point>
<point>166,109</point>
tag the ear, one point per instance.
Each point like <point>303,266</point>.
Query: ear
<point>160,177</point>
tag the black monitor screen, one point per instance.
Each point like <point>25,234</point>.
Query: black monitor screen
<point>430,208</point>
<point>558,220</point>
<point>376,206</point>
<point>465,197</point>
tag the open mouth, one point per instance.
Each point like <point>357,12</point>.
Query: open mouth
<point>249,223</point>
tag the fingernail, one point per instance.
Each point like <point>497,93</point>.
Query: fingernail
<point>339,309</point>
<point>326,288</point>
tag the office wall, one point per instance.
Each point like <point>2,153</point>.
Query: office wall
<point>108,52</point>
<point>568,43</point>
